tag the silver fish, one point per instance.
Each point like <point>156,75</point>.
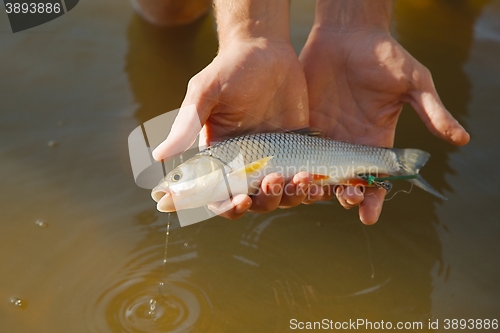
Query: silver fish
<point>238,165</point>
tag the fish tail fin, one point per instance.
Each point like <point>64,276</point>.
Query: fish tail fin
<point>411,161</point>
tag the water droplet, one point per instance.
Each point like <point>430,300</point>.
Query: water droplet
<point>41,224</point>
<point>152,306</point>
<point>186,244</point>
<point>18,302</point>
<point>52,143</point>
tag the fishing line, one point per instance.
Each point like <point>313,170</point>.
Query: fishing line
<point>369,248</point>
<point>162,283</point>
<point>383,182</point>
<point>404,191</point>
<point>166,241</point>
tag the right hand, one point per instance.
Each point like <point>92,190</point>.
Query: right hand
<point>253,85</point>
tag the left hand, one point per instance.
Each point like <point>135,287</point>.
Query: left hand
<point>358,82</point>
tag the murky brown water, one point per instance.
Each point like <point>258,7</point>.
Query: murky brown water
<point>81,246</point>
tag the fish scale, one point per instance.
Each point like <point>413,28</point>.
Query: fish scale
<point>305,153</point>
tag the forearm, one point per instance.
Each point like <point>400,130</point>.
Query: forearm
<point>346,15</point>
<point>248,19</point>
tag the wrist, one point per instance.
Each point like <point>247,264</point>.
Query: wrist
<point>239,20</point>
<point>353,15</point>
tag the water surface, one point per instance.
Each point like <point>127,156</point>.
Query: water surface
<point>81,246</point>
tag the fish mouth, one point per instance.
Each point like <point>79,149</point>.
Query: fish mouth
<point>157,194</point>
<point>163,197</point>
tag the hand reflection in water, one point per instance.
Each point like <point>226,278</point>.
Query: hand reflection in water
<point>358,79</point>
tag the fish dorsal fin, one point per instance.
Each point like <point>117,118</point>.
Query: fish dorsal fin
<point>309,131</point>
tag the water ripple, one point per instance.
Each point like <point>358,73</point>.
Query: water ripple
<point>143,300</point>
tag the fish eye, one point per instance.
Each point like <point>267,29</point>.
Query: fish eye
<point>176,177</point>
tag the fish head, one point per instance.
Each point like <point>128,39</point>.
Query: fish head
<point>189,185</point>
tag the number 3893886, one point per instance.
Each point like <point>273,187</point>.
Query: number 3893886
<point>25,7</point>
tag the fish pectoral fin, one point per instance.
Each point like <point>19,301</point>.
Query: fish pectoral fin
<point>257,165</point>
<point>251,167</point>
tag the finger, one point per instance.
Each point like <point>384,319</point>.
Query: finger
<point>315,193</point>
<point>371,207</point>
<point>233,208</point>
<point>426,102</point>
<point>328,192</point>
<point>349,196</point>
<point>200,98</point>
<point>269,196</point>
<point>296,190</point>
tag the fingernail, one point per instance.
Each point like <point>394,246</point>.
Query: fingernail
<point>316,191</point>
<point>361,188</point>
<point>302,188</point>
<point>237,200</point>
<point>266,189</point>
<point>226,206</point>
<point>273,189</point>
<point>240,208</point>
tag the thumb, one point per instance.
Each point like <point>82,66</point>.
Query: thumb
<point>428,105</point>
<point>200,99</point>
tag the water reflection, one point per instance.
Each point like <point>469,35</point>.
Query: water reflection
<point>160,62</point>
<point>443,46</point>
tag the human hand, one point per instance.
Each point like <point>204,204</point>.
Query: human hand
<point>252,85</point>
<point>358,81</point>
